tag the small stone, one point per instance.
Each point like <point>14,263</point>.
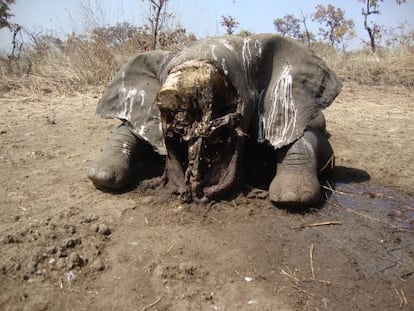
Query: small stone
<point>88,219</point>
<point>94,228</point>
<point>10,239</point>
<point>71,243</point>
<point>75,261</point>
<point>70,229</point>
<point>104,229</point>
<point>98,265</point>
<point>52,250</point>
<point>70,276</point>
<point>61,254</point>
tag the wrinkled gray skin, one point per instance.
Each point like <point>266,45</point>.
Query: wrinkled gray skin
<point>221,111</point>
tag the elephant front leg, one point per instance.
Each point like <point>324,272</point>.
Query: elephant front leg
<point>124,159</point>
<point>298,166</point>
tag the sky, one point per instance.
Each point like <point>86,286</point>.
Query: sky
<point>197,16</point>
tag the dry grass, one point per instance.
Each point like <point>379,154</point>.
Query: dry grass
<point>387,67</point>
<point>77,63</point>
<point>80,64</point>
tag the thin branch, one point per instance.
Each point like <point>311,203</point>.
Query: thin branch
<point>318,224</point>
<point>311,261</point>
<point>151,304</point>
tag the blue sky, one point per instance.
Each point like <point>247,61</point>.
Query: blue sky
<point>197,16</point>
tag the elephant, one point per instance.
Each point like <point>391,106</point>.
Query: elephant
<point>218,113</point>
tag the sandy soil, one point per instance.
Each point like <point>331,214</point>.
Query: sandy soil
<point>67,246</point>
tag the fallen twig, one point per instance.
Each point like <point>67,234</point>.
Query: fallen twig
<point>311,261</point>
<point>214,218</point>
<point>401,295</point>
<point>151,304</point>
<point>312,267</point>
<point>333,190</point>
<point>404,298</point>
<point>318,224</point>
<point>302,290</point>
<point>290,275</point>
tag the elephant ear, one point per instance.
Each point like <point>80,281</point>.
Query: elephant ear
<point>131,97</point>
<point>297,86</point>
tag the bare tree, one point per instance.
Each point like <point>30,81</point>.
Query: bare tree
<point>156,18</point>
<point>307,33</point>
<point>230,23</point>
<point>17,44</point>
<point>371,7</point>
<point>117,34</point>
<point>291,26</point>
<point>399,36</point>
<point>335,25</point>
<point>288,26</point>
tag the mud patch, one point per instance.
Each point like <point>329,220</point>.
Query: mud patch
<point>377,203</point>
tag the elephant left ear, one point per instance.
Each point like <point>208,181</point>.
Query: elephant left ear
<point>131,97</point>
<point>300,86</point>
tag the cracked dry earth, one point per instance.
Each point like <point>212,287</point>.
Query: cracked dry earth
<point>67,246</point>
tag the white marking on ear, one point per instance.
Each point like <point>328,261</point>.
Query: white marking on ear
<point>131,93</point>
<point>246,66</point>
<point>127,100</point>
<point>213,52</point>
<point>246,54</point>
<point>282,116</point>
<point>125,149</point>
<point>141,130</point>
<point>224,66</point>
<point>227,44</point>
<point>261,119</point>
<point>258,46</point>
<point>142,95</point>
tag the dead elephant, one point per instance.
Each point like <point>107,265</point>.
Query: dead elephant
<point>217,111</point>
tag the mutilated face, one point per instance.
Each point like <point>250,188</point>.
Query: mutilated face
<point>201,119</point>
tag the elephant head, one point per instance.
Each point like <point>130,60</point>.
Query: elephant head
<point>201,115</point>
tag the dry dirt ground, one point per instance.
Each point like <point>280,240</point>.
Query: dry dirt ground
<point>67,246</point>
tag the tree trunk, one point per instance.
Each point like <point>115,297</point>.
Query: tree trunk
<point>308,39</point>
<point>372,39</point>
<point>368,29</point>
<point>156,20</point>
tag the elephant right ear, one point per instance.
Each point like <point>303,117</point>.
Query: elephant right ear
<point>297,85</point>
<point>131,95</point>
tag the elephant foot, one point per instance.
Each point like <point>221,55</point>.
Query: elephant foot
<point>296,181</point>
<point>296,187</point>
<point>114,169</point>
<point>110,174</point>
